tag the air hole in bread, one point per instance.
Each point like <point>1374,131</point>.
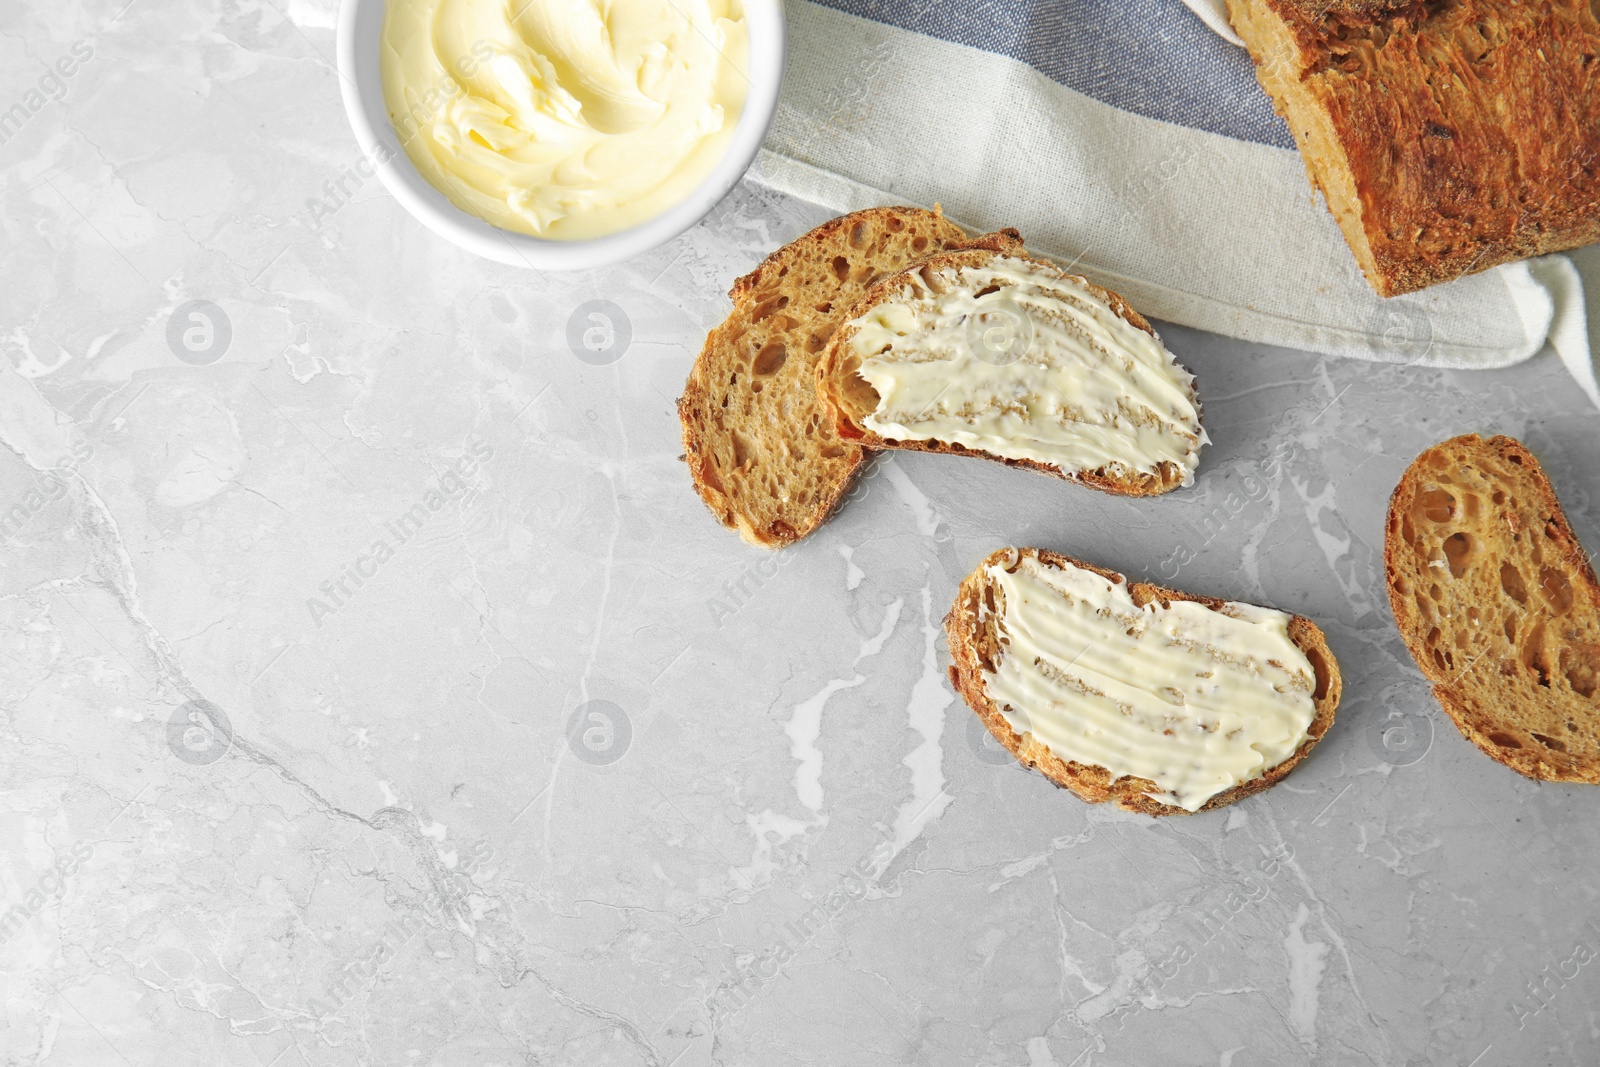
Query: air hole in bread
<point>1433,637</point>
<point>1442,658</point>
<point>1533,654</point>
<point>1581,666</point>
<point>895,224</point>
<point>767,305</point>
<point>825,307</point>
<point>841,266</point>
<point>769,360</point>
<point>858,235</point>
<point>1556,589</point>
<point>1458,551</point>
<point>1437,505</point>
<point>1511,628</point>
<point>1319,668</point>
<point>1498,497</point>
<point>1435,592</point>
<point>755,387</point>
<point>1408,532</point>
<point>1504,740</point>
<point>1550,742</point>
<point>1511,581</point>
<point>986,290</point>
<point>919,244</point>
<point>859,395</point>
<point>743,454</point>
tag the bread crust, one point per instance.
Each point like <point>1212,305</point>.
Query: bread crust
<point>973,644</point>
<point>835,387</point>
<point>738,415</point>
<point>1447,136</point>
<point>1513,703</point>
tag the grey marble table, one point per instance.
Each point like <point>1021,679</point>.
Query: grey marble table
<point>376,691</point>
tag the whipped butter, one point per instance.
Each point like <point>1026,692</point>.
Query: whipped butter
<point>1194,700</point>
<point>565,119</point>
<point>1013,360</point>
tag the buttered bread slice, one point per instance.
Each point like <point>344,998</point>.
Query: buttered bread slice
<point>1158,701</point>
<point>995,353</point>
<point>1498,604</point>
<point>761,448</point>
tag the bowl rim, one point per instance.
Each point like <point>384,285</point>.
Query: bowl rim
<point>359,37</point>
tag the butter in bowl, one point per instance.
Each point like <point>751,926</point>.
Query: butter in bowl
<point>560,134</point>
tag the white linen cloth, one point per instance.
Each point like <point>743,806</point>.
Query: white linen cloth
<point>1183,193</point>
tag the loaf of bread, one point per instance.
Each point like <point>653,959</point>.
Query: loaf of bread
<point>1448,136</point>
<point>1498,604</point>
<point>1092,681</point>
<point>993,353</point>
<point>762,450</point>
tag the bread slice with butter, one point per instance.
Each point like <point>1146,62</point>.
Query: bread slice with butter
<point>998,354</point>
<point>761,448</point>
<point>1498,605</point>
<point>1158,701</point>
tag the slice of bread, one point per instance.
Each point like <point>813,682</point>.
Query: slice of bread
<point>1448,136</point>
<point>761,449</point>
<point>980,642</point>
<point>998,354</point>
<point>1499,605</point>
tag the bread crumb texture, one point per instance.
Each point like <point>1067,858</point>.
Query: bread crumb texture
<point>1498,604</point>
<point>761,449</point>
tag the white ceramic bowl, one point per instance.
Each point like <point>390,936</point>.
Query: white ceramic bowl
<point>360,35</point>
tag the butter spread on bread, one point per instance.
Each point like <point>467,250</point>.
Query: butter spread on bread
<point>1156,700</point>
<point>998,354</point>
<point>1193,699</point>
<point>760,446</point>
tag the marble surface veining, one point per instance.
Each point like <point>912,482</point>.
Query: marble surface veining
<point>374,689</point>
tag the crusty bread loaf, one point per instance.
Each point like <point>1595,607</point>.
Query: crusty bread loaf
<point>1499,605</point>
<point>761,449</point>
<point>976,647</point>
<point>852,398</point>
<point>1448,136</point>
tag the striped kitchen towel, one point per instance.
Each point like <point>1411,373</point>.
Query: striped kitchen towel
<point>1129,139</point>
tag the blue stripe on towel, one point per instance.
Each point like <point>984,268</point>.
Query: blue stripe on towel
<point>1151,57</point>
